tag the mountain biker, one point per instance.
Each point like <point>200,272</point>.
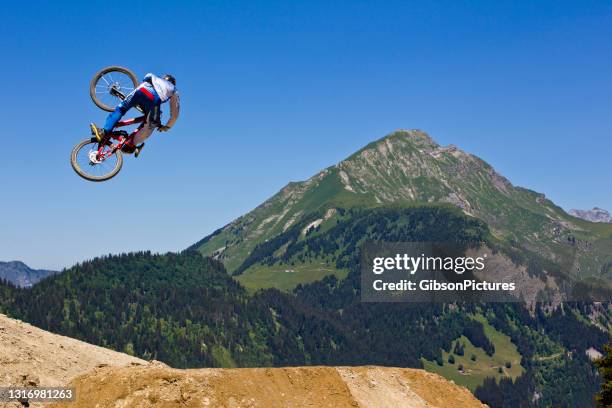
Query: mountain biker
<point>149,95</point>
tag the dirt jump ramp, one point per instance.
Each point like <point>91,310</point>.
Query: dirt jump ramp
<point>157,385</point>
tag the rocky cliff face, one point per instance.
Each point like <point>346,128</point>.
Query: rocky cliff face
<point>594,215</point>
<point>19,274</point>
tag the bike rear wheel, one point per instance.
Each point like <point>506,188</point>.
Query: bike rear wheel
<point>111,85</point>
<point>84,161</point>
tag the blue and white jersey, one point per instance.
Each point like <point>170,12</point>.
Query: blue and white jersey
<point>165,89</point>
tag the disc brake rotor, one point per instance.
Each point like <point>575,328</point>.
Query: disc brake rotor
<point>93,157</point>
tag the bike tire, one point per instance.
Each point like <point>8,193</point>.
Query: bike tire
<point>85,175</point>
<point>100,74</point>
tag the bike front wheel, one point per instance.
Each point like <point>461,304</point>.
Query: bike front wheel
<point>111,85</point>
<point>89,164</point>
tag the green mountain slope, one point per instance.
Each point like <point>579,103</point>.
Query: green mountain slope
<point>404,169</point>
<point>333,247</point>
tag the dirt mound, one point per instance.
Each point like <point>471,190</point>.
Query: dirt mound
<point>103,378</point>
<point>161,386</point>
<point>54,360</point>
<point>31,357</point>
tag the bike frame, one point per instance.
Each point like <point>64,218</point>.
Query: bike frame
<point>102,155</point>
<point>119,136</point>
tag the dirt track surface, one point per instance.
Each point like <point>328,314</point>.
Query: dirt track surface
<point>106,379</point>
<point>337,387</point>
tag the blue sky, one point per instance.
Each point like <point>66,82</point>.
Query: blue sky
<point>272,92</point>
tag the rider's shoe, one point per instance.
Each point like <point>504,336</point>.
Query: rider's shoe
<point>138,149</point>
<point>97,132</point>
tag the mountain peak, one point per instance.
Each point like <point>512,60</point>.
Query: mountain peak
<point>18,264</point>
<point>409,165</point>
<point>409,137</point>
<point>412,135</point>
<point>595,215</point>
<point>404,167</point>
<point>20,274</point>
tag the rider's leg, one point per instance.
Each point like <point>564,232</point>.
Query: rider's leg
<point>130,100</point>
<point>151,123</point>
<point>144,133</point>
<point>135,142</point>
<point>137,139</point>
<point>136,97</point>
<point>101,133</point>
<point>144,95</point>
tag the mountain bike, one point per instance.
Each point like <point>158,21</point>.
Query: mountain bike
<point>100,161</point>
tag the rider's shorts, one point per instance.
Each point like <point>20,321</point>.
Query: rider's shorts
<point>143,96</point>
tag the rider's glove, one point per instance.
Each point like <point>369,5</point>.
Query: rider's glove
<point>163,128</point>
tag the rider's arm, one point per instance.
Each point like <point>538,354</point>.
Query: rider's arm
<point>174,110</point>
